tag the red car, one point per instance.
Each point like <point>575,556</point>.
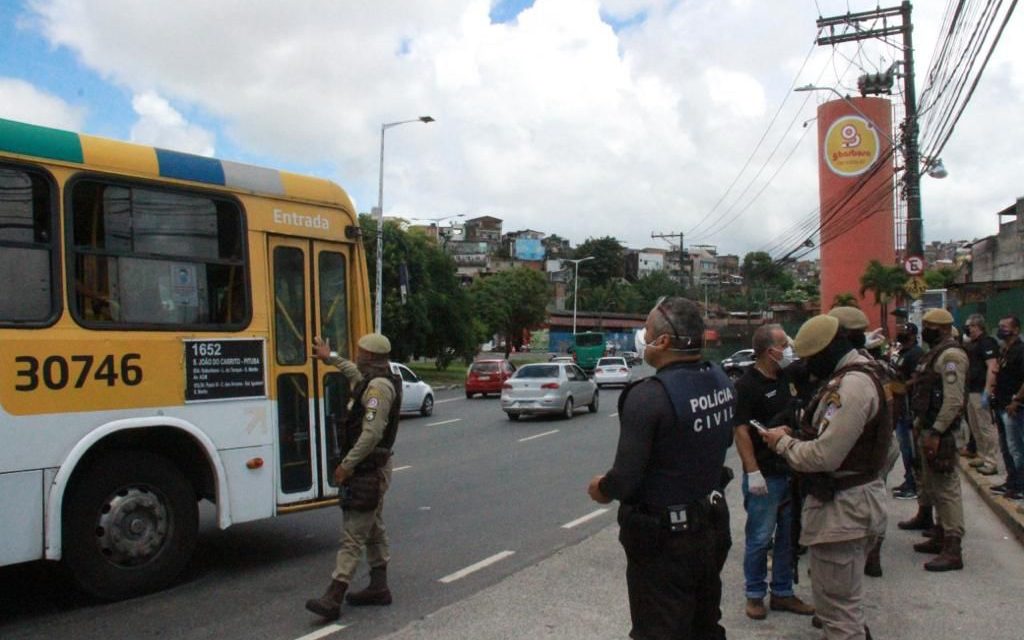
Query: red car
<point>487,376</point>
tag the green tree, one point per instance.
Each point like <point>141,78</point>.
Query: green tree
<point>436,318</point>
<point>846,299</point>
<point>940,278</point>
<point>510,303</point>
<point>608,262</point>
<point>886,283</point>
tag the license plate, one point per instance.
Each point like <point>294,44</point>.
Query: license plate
<point>483,377</point>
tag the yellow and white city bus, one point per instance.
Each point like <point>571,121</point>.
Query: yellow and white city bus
<point>156,316</point>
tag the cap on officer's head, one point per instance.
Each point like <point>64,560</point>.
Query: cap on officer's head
<point>375,343</point>
<point>938,316</point>
<point>850,318</point>
<point>815,335</point>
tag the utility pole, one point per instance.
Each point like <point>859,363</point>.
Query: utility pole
<point>670,237</point>
<point>849,30</point>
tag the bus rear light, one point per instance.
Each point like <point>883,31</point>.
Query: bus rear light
<point>254,463</point>
<point>550,385</point>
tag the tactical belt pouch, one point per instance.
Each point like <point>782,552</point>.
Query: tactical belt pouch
<point>944,460</point>
<point>363,491</point>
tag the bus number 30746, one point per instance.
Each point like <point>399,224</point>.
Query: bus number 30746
<point>58,372</point>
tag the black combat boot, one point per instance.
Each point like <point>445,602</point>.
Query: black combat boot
<point>951,558</point>
<point>377,593</point>
<point>923,519</point>
<point>932,545</point>
<point>329,605</point>
<point>873,563</point>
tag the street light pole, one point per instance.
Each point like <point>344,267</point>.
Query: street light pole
<point>380,221</point>
<point>576,286</point>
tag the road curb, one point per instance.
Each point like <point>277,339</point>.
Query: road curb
<point>1005,510</point>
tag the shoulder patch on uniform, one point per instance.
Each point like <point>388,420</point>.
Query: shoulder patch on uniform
<point>830,411</point>
<point>373,402</point>
<point>951,366</point>
<point>370,415</point>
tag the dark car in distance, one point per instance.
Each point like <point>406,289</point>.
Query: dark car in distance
<point>487,376</point>
<point>736,364</point>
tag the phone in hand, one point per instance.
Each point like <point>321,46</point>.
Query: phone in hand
<point>757,425</point>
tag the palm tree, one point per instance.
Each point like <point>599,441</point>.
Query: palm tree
<point>885,283</point>
<point>845,300</point>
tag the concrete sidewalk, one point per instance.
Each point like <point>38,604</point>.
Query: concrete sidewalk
<point>580,592</point>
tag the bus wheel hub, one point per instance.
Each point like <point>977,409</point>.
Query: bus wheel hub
<point>132,526</point>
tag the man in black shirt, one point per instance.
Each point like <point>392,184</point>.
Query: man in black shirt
<point>905,363</point>
<point>982,365</point>
<point>1006,405</point>
<point>675,428</point>
<point>765,394</point>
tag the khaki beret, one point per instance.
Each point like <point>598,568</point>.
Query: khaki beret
<point>375,343</point>
<point>938,316</point>
<point>815,335</point>
<point>850,318</point>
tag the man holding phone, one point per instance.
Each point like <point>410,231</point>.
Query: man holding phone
<point>764,394</point>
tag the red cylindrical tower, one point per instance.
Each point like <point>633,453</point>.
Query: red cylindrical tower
<point>855,177</point>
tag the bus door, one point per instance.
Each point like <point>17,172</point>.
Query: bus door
<point>310,298</point>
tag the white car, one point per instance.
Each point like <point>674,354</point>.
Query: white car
<point>612,370</point>
<point>554,387</point>
<point>417,396</point>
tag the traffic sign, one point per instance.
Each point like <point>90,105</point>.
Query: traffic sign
<point>914,265</point>
<point>915,287</point>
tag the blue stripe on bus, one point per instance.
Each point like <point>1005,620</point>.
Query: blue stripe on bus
<point>185,166</point>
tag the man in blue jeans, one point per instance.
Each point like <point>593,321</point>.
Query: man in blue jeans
<point>905,363</point>
<point>766,395</point>
<point>1007,398</point>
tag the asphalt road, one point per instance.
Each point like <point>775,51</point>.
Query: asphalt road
<point>470,486</point>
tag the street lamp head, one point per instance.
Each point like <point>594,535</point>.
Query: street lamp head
<point>426,119</point>
<point>936,169</point>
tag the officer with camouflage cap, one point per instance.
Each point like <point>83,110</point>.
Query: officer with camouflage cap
<point>840,449</point>
<point>364,473</point>
<point>937,397</point>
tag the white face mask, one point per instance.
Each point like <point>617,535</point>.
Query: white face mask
<point>786,359</point>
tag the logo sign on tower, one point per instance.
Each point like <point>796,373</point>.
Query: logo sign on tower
<point>851,146</point>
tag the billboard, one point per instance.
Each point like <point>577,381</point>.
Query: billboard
<point>531,249</point>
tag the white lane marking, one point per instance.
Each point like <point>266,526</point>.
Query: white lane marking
<point>486,562</point>
<point>589,516</point>
<point>434,424</point>
<point>447,400</point>
<point>613,415</point>
<point>402,468</point>
<point>539,435</point>
<point>323,632</point>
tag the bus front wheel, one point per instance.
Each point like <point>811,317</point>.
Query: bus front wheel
<point>130,524</point>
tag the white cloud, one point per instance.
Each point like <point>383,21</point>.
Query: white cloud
<point>161,125</point>
<point>553,122</point>
<point>26,103</point>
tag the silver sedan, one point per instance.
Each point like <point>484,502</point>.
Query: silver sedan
<point>556,387</point>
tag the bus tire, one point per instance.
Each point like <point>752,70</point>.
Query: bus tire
<point>131,520</point>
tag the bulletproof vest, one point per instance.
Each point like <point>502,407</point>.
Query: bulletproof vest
<point>927,391</point>
<point>869,452</point>
<point>354,420</point>
<point>686,462</point>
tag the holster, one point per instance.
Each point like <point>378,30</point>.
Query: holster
<point>943,459</point>
<point>365,489</point>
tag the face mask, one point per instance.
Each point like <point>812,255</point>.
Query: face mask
<point>931,336</point>
<point>786,359</point>
<point>1004,334</point>
<point>824,362</point>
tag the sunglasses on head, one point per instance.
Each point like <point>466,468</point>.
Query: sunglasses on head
<point>675,332</point>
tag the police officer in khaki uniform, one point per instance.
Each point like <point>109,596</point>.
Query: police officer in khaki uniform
<point>364,473</point>
<point>938,399</point>
<point>845,441</point>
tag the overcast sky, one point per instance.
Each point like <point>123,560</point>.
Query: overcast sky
<point>583,118</point>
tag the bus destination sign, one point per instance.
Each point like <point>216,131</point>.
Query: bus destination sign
<point>224,369</point>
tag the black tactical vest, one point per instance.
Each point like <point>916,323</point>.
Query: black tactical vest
<point>686,462</point>
<point>354,421</point>
<point>926,398</point>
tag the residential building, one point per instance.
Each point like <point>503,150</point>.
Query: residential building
<point>484,229</point>
<point>643,262</point>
